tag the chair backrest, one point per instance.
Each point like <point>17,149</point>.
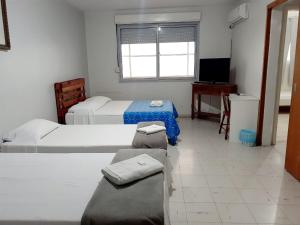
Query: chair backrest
<point>226,102</point>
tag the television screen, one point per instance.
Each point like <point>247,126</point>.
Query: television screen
<point>214,70</point>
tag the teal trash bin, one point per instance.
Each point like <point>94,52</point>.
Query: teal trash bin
<point>248,137</point>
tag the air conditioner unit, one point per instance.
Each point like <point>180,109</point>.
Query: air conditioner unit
<point>238,15</point>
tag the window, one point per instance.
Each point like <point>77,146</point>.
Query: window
<point>159,51</point>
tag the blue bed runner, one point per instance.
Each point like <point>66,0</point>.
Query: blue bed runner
<point>141,111</point>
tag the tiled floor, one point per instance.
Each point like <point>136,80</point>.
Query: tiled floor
<point>219,183</point>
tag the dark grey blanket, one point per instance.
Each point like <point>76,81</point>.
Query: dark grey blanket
<point>156,140</point>
<point>138,203</point>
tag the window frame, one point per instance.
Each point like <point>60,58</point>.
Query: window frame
<point>196,25</point>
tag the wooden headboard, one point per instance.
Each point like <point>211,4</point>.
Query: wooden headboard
<point>67,94</point>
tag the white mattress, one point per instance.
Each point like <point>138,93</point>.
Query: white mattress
<point>111,113</point>
<point>80,139</point>
<point>285,98</point>
<point>48,189</point>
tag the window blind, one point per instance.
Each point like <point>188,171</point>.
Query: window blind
<point>176,34</point>
<point>138,35</point>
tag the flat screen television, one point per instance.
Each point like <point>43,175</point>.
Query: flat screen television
<point>216,70</point>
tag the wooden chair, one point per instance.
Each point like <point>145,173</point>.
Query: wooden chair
<point>226,115</point>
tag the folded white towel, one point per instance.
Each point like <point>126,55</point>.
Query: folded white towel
<point>151,129</point>
<point>132,169</point>
<point>156,103</point>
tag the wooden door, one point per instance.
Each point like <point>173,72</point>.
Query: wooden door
<point>292,162</point>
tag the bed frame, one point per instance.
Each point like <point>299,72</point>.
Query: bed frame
<point>67,94</point>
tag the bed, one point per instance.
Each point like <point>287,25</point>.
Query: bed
<point>71,94</point>
<point>110,113</point>
<point>34,192</point>
<point>42,136</point>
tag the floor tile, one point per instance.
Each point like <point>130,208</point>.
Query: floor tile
<point>268,214</point>
<point>292,212</point>
<point>280,183</point>
<point>177,212</point>
<point>235,213</point>
<point>220,181</point>
<point>193,181</point>
<point>285,196</point>
<point>176,180</point>
<point>243,224</point>
<point>216,169</point>
<point>191,169</point>
<point>248,182</point>
<point>200,195</point>
<point>177,195</point>
<point>226,195</point>
<point>202,212</point>
<point>273,224</point>
<point>256,196</point>
<point>237,171</point>
<point>204,223</point>
<point>178,223</point>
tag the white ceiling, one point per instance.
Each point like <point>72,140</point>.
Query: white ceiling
<point>103,5</point>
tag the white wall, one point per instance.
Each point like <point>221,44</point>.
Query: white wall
<point>248,48</point>
<point>247,61</point>
<point>48,45</point>
<point>215,39</point>
<point>272,77</point>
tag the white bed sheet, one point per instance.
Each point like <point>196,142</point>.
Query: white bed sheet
<point>111,113</point>
<point>35,192</point>
<point>80,139</point>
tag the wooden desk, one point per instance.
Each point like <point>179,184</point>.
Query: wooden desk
<point>200,89</point>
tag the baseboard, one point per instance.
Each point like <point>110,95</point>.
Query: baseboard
<point>184,116</point>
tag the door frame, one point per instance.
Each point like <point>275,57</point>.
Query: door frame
<point>280,71</point>
<point>260,123</point>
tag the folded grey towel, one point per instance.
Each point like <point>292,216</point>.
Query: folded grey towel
<point>155,140</point>
<point>133,169</point>
<point>138,203</point>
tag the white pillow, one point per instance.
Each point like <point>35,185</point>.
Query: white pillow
<point>98,99</point>
<point>89,105</point>
<point>32,131</point>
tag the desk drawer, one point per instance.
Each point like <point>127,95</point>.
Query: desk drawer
<point>213,90</point>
